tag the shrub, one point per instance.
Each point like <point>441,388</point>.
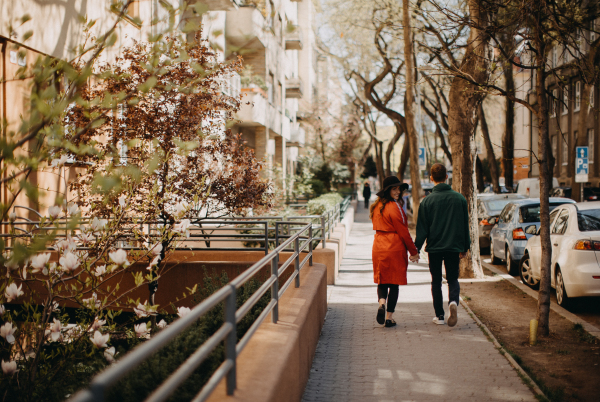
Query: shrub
<point>321,204</point>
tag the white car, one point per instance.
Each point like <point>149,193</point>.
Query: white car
<point>575,239</point>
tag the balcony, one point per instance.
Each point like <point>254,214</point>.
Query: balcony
<point>255,110</point>
<point>293,88</point>
<point>297,135</point>
<point>293,38</point>
<point>244,28</point>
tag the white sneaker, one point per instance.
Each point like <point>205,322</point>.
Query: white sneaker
<point>453,314</point>
<point>439,320</point>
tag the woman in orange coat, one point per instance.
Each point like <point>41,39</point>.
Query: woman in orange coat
<point>391,246</point>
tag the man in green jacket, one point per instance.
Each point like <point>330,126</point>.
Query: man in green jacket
<point>443,222</point>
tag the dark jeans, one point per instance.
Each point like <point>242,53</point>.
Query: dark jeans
<point>366,203</point>
<point>390,293</point>
<point>450,261</point>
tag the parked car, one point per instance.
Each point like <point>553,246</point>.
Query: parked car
<point>489,189</point>
<point>575,267</point>
<point>589,193</point>
<point>508,237</point>
<point>489,206</point>
<point>531,187</point>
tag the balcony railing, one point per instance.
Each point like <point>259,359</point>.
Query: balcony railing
<point>293,88</point>
<point>293,38</point>
<point>297,135</point>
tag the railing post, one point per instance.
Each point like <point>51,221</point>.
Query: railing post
<point>276,234</point>
<point>329,219</point>
<point>310,244</point>
<point>266,237</point>
<point>275,289</point>
<point>297,261</point>
<point>230,341</point>
<point>323,229</point>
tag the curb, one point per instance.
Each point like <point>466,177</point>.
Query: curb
<point>526,379</point>
<point>591,329</point>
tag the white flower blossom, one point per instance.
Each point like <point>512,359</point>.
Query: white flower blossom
<point>39,262</point>
<point>2,310</point>
<point>142,309</point>
<point>180,209</point>
<point>119,257</point>
<point>54,212</point>
<point>51,269</point>
<point>122,201</point>
<point>65,245</point>
<point>182,227</point>
<point>86,238</point>
<point>98,225</point>
<point>97,324</point>
<point>69,262</point>
<point>162,324</point>
<point>183,311</point>
<point>109,354</point>
<point>9,367</point>
<point>92,301</point>
<point>11,264</point>
<point>153,263</point>
<point>59,162</point>
<point>7,331</point>
<point>13,292</point>
<point>156,249</point>
<point>73,209</point>
<point>12,217</point>
<point>55,330</point>
<point>55,307</point>
<point>99,340</point>
<point>141,330</point>
<point>100,270</point>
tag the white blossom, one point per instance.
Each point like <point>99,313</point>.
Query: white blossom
<point>86,238</point>
<point>39,262</point>
<point>67,244</point>
<point>54,212</point>
<point>7,331</point>
<point>59,162</point>
<point>156,249</point>
<point>9,367</point>
<point>97,324</point>
<point>69,262</point>
<point>141,330</point>
<point>73,209</point>
<point>183,311</point>
<point>98,224</point>
<point>182,227</point>
<point>119,257</point>
<point>100,270</point>
<point>143,310</point>
<point>122,201</point>
<point>55,330</point>
<point>51,269</point>
<point>11,264</point>
<point>99,340</point>
<point>153,263</point>
<point>92,301</point>
<point>162,324</point>
<point>2,310</point>
<point>180,209</point>
<point>109,354</point>
<point>13,292</point>
<point>12,217</point>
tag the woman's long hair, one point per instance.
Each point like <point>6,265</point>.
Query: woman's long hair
<point>384,200</point>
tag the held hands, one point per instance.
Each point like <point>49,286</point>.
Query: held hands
<point>414,258</point>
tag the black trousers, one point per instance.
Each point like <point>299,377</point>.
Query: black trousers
<point>451,262</point>
<point>366,203</point>
<point>390,294</point>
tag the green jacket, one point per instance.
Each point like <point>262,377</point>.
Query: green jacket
<point>443,221</point>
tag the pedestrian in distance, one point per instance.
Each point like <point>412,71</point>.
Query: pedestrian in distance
<point>367,193</point>
<point>443,222</point>
<point>391,247</point>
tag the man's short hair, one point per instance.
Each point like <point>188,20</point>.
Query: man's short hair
<point>438,172</point>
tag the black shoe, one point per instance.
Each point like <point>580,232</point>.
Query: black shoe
<point>390,323</point>
<point>381,314</point>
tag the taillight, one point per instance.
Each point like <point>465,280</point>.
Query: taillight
<point>592,197</point>
<point>484,222</point>
<point>587,245</point>
<point>518,234</point>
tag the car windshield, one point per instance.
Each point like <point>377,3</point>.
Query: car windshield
<point>531,213</point>
<point>588,220</point>
<point>495,206</point>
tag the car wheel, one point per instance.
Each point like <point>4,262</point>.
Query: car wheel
<point>561,293</point>
<point>527,274</point>
<point>495,260</point>
<point>511,267</point>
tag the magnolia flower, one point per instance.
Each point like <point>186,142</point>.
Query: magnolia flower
<point>141,330</point>
<point>69,262</point>
<point>2,310</point>
<point>9,367</point>
<point>12,217</point>
<point>162,324</point>
<point>7,332</point>
<point>86,238</point>
<point>180,209</point>
<point>119,257</point>
<point>55,330</point>
<point>11,264</point>
<point>54,212</point>
<point>12,292</point>
<point>156,249</point>
<point>99,340</point>
<point>153,263</point>
<point>122,201</point>
<point>39,262</point>
<point>97,324</point>
<point>92,301</point>
<point>67,244</point>
<point>98,224</point>
<point>55,307</point>
<point>109,354</point>
<point>141,310</point>
<point>183,311</point>
<point>51,269</point>
<point>182,227</point>
<point>100,270</point>
<point>59,162</point>
<point>73,209</point>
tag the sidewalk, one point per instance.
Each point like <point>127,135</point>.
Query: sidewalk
<point>358,360</point>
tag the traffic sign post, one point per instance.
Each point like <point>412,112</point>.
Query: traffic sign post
<point>581,167</point>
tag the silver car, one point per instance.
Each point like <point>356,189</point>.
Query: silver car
<point>489,206</point>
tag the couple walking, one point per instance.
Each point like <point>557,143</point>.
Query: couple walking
<point>442,222</point>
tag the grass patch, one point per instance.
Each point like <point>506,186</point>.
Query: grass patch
<point>466,298</point>
<point>583,334</point>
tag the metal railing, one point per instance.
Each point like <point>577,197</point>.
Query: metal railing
<point>97,390</point>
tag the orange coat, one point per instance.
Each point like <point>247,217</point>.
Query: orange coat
<point>392,241</point>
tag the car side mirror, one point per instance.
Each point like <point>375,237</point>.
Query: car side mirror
<point>493,221</point>
<point>532,230</point>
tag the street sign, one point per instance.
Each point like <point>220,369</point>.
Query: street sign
<point>581,165</point>
<point>422,163</point>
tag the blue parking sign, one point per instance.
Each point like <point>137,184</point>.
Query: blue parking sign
<point>581,165</point>
<point>422,157</point>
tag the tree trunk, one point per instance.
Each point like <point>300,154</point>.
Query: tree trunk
<point>508,139</point>
<point>409,115</point>
<point>464,99</point>
<point>390,148</point>
<point>479,172</point>
<point>379,162</point>
<point>404,158</point>
<point>491,157</point>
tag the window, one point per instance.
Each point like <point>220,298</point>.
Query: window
<point>592,90</point>
<point>554,146</point>
<point>504,213</point>
<point>270,85</point>
<point>553,102</point>
<point>555,57</point>
<point>553,215</point>
<point>133,9</point>
<point>565,106</point>
<point>590,134</point>
<point>561,223</point>
<point>510,213</point>
<point>588,220</point>
<point>577,95</point>
<point>565,152</point>
<point>121,146</point>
